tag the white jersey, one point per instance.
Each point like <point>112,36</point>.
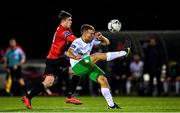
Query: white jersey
<point>82,48</point>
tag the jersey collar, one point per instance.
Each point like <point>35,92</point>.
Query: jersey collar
<point>83,40</point>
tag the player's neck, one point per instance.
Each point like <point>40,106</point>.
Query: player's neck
<point>84,40</point>
<point>63,25</point>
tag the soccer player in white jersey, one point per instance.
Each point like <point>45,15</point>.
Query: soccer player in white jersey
<point>84,64</point>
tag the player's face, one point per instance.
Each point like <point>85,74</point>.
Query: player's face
<point>136,58</point>
<point>68,22</point>
<point>89,35</point>
<point>12,43</point>
<point>152,42</point>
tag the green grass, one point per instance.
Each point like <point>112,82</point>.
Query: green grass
<point>92,104</point>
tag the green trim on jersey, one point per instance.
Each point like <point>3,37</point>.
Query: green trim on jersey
<point>84,67</point>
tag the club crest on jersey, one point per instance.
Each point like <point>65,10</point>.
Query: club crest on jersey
<point>86,61</point>
<point>66,33</point>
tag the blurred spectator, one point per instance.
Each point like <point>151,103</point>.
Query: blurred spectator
<point>1,55</point>
<point>177,79</point>
<point>174,78</point>
<point>166,78</point>
<point>118,71</point>
<point>13,59</point>
<point>154,60</point>
<point>136,71</point>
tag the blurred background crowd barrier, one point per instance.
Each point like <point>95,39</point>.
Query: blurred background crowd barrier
<point>133,76</point>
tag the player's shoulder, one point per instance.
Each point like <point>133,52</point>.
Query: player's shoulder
<point>19,48</point>
<point>8,50</point>
<point>141,62</point>
<point>64,32</point>
<point>78,41</point>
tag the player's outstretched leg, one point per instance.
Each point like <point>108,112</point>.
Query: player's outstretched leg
<point>108,56</point>
<point>105,90</point>
<point>48,81</point>
<point>112,55</point>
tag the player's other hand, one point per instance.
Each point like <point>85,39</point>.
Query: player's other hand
<point>78,57</point>
<point>98,35</point>
<point>15,67</point>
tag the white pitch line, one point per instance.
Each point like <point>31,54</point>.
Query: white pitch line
<point>81,108</point>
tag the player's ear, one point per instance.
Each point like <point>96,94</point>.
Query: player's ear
<point>83,32</point>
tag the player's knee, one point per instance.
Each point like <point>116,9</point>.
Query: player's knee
<point>96,57</point>
<point>21,82</point>
<point>71,72</point>
<point>102,80</point>
<point>48,82</point>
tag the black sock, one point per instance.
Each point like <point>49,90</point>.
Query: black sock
<point>73,83</point>
<point>39,87</point>
<point>24,90</point>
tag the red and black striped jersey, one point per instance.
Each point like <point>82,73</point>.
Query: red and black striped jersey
<point>62,38</point>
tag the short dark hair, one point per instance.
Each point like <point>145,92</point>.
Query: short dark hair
<point>12,39</point>
<point>64,15</point>
<point>86,27</point>
<point>154,37</point>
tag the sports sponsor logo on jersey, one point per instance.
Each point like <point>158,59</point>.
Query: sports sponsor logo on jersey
<point>73,46</point>
<point>66,33</point>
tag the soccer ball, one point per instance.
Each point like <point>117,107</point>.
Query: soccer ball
<point>114,26</point>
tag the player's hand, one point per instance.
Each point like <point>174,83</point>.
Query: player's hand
<point>15,67</point>
<point>99,35</point>
<point>78,57</point>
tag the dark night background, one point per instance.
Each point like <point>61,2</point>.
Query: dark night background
<point>33,23</point>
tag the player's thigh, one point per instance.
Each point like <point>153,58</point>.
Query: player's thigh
<point>83,67</point>
<point>95,57</point>
<point>53,67</point>
<point>51,71</point>
<point>95,73</point>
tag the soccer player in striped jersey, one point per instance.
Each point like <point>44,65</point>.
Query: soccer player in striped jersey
<point>56,60</point>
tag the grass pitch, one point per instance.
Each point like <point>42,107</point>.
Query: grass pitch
<point>92,104</point>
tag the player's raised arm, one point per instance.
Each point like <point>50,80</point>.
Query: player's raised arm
<point>103,39</point>
<point>71,38</point>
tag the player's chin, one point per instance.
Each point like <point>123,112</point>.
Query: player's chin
<point>69,26</point>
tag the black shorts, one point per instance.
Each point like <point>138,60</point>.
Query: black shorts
<point>16,74</point>
<point>56,66</point>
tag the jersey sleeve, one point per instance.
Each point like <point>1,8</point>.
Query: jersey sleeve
<point>6,54</point>
<point>67,35</point>
<point>71,38</point>
<point>74,45</point>
<point>22,53</point>
<point>96,42</point>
